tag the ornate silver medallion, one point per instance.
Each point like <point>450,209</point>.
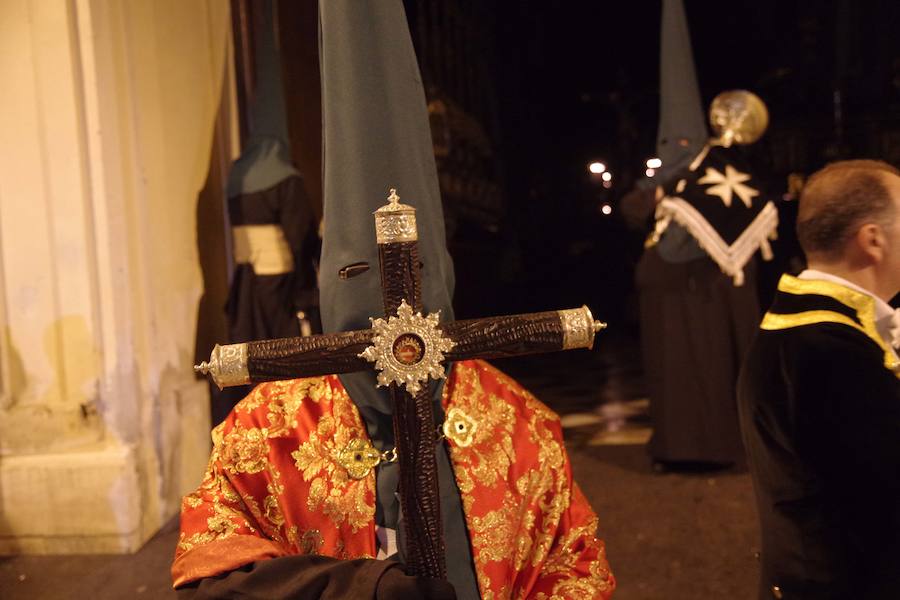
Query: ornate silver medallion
<point>407,349</point>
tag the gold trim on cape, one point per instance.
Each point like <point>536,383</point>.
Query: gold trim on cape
<point>863,304</point>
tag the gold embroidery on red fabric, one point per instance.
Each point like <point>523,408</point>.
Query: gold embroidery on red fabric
<point>485,463</point>
<point>311,541</point>
<point>492,533</point>
<point>358,458</point>
<point>460,427</point>
<point>271,506</point>
<point>224,522</point>
<point>339,497</point>
<point>287,400</point>
<point>308,542</point>
<point>564,558</point>
<point>491,452</point>
<point>245,450</point>
<point>533,503</point>
<point>216,491</point>
<point>548,483</point>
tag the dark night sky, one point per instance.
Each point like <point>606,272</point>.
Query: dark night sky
<point>579,64</point>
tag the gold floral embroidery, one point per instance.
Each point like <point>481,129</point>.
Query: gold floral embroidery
<point>460,427</point>
<point>286,399</point>
<point>311,542</point>
<point>252,401</point>
<point>241,449</point>
<point>358,458</point>
<point>332,490</point>
<point>525,529</point>
<point>496,531</point>
<point>548,483</point>
<point>245,450</point>
<point>273,513</point>
<point>490,453</point>
<point>224,522</point>
<point>563,560</point>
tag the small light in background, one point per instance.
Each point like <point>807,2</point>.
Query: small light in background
<point>650,172</point>
<point>606,209</point>
<point>607,184</point>
<point>654,163</point>
<point>607,176</point>
<point>596,167</point>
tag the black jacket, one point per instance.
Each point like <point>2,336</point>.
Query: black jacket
<point>819,401</point>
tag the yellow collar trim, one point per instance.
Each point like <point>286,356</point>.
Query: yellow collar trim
<point>863,304</point>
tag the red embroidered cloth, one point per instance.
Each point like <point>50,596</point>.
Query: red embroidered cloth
<point>278,484</point>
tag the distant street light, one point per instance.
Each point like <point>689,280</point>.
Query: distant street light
<point>607,176</point>
<point>653,163</point>
<point>606,209</point>
<point>650,172</point>
<point>596,167</point>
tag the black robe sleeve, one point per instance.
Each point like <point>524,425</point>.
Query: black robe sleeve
<point>305,577</point>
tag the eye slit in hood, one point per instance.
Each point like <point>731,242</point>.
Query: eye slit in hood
<point>352,270</point>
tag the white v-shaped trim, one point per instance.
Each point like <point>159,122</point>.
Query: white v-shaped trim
<point>731,259</point>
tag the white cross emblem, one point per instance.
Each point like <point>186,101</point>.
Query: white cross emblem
<point>729,183</point>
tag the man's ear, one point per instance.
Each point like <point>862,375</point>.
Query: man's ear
<point>870,241</point>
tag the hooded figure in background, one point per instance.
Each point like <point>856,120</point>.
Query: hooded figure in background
<point>697,278</point>
<point>274,233</point>
<point>300,498</point>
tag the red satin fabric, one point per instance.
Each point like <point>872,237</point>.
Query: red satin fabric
<point>276,486</point>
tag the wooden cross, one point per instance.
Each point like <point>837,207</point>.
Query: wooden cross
<point>406,349</point>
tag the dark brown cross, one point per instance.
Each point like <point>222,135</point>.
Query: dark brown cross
<point>406,349</point>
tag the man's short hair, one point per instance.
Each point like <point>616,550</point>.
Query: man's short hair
<point>838,199</point>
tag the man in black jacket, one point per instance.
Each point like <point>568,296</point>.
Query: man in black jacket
<point>819,397</point>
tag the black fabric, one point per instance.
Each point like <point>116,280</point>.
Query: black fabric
<point>677,245</point>
<point>265,306</point>
<point>795,303</point>
<point>729,221</point>
<point>820,416</point>
<point>317,578</point>
<point>696,327</point>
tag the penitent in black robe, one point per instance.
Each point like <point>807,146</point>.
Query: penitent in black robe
<point>819,401</point>
<point>263,306</point>
<point>696,326</point>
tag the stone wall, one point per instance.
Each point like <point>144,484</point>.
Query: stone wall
<point>114,118</point>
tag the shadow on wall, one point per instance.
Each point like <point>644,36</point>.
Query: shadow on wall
<point>181,435</point>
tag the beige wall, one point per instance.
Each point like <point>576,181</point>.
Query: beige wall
<point>107,122</point>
